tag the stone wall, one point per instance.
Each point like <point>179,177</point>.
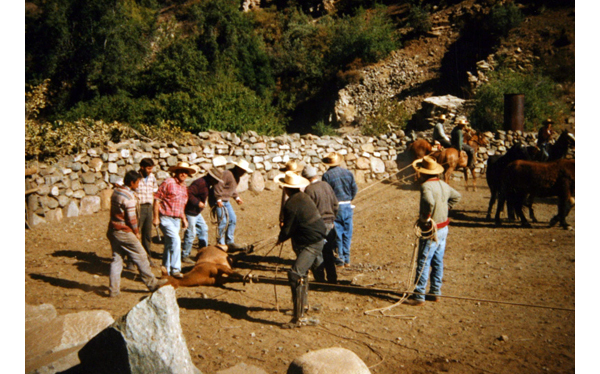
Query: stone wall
<point>81,184</point>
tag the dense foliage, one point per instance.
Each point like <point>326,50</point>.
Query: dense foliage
<point>541,100</point>
<point>198,65</point>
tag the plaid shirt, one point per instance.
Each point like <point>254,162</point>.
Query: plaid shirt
<point>146,189</point>
<point>123,210</point>
<point>173,197</point>
<point>343,183</point>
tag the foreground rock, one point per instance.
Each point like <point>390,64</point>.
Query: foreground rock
<point>328,361</point>
<point>52,341</point>
<point>148,339</point>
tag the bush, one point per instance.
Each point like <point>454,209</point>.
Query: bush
<point>321,128</point>
<point>541,100</point>
<point>503,18</point>
<point>390,115</point>
<point>418,19</point>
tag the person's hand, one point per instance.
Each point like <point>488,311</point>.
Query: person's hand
<point>201,205</point>
<point>280,224</point>
<point>425,225</point>
<point>239,201</point>
<point>156,221</point>
<point>139,236</point>
<point>184,223</point>
<point>219,203</point>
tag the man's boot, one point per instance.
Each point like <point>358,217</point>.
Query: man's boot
<point>296,285</point>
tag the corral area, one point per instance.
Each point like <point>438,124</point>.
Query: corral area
<point>494,275</point>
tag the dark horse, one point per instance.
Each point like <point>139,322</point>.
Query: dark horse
<point>557,150</point>
<point>495,166</point>
<point>545,179</point>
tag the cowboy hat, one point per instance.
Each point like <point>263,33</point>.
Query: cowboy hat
<point>547,121</point>
<point>182,165</point>
<point>291,180</point>
<point>219,161</point>
<point>442,117</point>
<point>462,121</point>
<point>332,159</point>
<point>291,165</point>
<point>216,174</point>
<point>427,165</point>
<point>244,165</point>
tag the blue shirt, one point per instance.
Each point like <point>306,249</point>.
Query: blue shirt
<point>342,182</point>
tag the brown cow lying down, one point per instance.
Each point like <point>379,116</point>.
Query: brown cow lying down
<point>213,267</point>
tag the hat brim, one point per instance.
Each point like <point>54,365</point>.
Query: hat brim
<point>334,163</point>
<point>174,169</point>
<point>439,169</point>
<point>215,177</point>
<point>278,180</point>
<point>247,170</point>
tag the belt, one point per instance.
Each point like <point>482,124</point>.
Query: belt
<point>344,202</point>
<point>146,204</point>
<point>443,224</point>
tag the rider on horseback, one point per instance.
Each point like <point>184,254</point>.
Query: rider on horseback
<point>458,141</point>
<point>543,141</point>
<point>438,132</point>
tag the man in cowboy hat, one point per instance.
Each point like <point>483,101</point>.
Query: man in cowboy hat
<point>145,191</point>
<point>222,192</point>
<point>197,195</point>
<point>543,140</point>
<point>324,198</point>
<point>345,188</point>
<point>124,235</point>
<point>169,204</point>
<point>437,197</point>
<point>304,225</point>
<point>457,135</point>
<point>438,132</point>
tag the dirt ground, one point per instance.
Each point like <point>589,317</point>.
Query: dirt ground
<point>67,265</point>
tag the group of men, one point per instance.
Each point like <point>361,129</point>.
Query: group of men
<point>315,214</point>
<point>139,204</point>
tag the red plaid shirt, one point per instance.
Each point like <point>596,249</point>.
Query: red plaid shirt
<point>173,197</point>
<point>146,189</point>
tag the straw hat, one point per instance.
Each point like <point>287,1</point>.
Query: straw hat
<point>332,159</point>
<point>216,174</point>
<point>244,165</point>
<point>547,121</point>
<point>219,161</point>
<point>291,165</point>
<point>182,165</point>
<point>442,117</point>
<point>462,122</point>
<point>291,180</point>
<point>427,165</point>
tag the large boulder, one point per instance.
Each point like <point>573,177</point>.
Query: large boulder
<point>89,205</point>
<point>328,361</point>
<point>148,339</point>
<point>257,182</point>
<point>52,341</point>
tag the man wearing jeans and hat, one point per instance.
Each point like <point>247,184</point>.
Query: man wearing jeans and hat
<point>304,225</point>
<point>197,195</point>
<point>439,134</point>
<point>437,197</point>
<point>223,191</point>
<point>169,204</point>
<point>458,137</point>
<point>343,184</point>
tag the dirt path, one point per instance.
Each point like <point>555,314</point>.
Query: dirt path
<point>67,265</point>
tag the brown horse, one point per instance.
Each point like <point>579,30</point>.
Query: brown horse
<point>450,159</point>
<point>416,150</point>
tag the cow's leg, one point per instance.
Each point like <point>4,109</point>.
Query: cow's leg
<point>500,206</point>
<point>493,193</point>
<point>519,200</point>
<point>466,176</point>
<point>529,204</point>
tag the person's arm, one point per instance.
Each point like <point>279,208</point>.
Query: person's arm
<point>354,187</point>
<point>454,198</point>
<point>130,216</point>
<point>194,195</point>
<point>155,212</point>
<point>426,204</point>
<point>288,224</point>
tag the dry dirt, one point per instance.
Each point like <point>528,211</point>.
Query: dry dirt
<point>67,265</point>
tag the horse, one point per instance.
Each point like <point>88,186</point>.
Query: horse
<point>495,166</point>
<point>451,160</point>
<point>213,267</point>
<point>415,150</point>
<point>558,149</point>
<point>545,179</point>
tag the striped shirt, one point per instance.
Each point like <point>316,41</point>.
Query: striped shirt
<point>173,197</point>
<point>146,189</point>
<point>343,183</point>
<point>123,210</point>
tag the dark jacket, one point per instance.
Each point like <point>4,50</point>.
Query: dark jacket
<point>197,192</point>
<point>301,221</point>
<point>322,194</point>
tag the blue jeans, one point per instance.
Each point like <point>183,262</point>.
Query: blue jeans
<point>431,254</point>
<point>172,253</point>
<point>226,237</point>
<point>343,228</point>
<point>196,225</point>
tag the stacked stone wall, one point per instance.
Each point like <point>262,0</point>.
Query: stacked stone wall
<point>82,184</point>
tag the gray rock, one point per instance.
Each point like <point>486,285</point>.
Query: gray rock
<point>328,361</point>
<point>148,339</point>
<point>243,183</point>
<point>80,194</point>
<point>363,163</point>
<point>89,205</point>
<point>257,182</point>
<point>377,166</point>
<point>90,189</point>
<point>88,178</point>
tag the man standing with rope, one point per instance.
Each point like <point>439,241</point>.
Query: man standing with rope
<point>222,192</point>
<point>304,225</point>
<point>437,197</point>
<point>345,188</point>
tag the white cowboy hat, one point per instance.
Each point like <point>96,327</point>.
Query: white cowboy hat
<point>182,165</point>
<point>427,165</point>
<point>244,165</point>
<point>291,180</point>
<point>216,174</point>
<point>332,159</point>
